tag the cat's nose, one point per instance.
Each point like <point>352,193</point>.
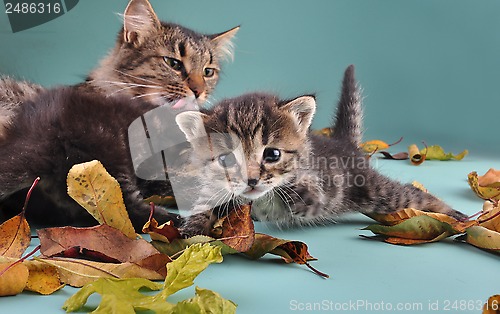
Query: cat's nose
<point>252,182</point>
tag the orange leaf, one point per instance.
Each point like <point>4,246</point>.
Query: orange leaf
<point>15,236</point>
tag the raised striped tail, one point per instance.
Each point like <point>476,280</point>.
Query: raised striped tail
<point>348,120</point>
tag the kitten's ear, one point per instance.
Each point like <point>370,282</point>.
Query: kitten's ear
<point>223,43</point>
<point>191,124</point>
<point>302,110</point>
<point>139,21</point>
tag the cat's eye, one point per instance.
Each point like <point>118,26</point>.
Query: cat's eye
<point>173,63</point>
<point>209,72</point>
<point>227,160</point>
<point>271,155</point>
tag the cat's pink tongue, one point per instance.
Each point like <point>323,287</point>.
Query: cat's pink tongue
<point>180,103</point>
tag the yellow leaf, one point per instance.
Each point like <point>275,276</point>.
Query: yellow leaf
<point>13,280</point>
<point>490,179</point>
<point>484,192</point>
<point>99,193</point>
<point>42,278</point>
<point>373,146</point>
<point>328,132</point>
<point>420,186</point>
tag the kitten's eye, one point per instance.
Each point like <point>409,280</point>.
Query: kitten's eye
<point>271,155</point>
<point>173,63</point>
<point>227,160</point>
<point>209,72</point>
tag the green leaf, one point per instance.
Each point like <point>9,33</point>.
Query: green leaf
<point>436,152</point>
<point>124,296</point>
<point>206,301</point>
<point>123,292</point>
<point>182,271</point>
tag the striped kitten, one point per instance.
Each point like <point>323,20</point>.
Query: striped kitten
<point>156,61</point>
<point>257,148</point>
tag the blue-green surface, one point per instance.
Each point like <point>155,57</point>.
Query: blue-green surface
<point>429,70</point>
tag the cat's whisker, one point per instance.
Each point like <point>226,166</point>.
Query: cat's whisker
<point>135,77</point>
<point>132,84</point>
<point>147,94</point>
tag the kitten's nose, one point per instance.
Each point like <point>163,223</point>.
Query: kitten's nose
<point>252,182</point>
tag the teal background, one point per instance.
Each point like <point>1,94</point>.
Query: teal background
<point>429,71</point>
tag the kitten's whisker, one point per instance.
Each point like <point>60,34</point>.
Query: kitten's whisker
<point>131,84</point>
<point>147,94</point>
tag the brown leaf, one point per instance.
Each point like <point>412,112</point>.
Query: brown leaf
<point>106,240</point>
<point>13,280</point>
<point>238,229</point>
<point>490,179</point>
<point>398,156</point>
<point>42,278</point>
<point>167,232</point>
<point>491,217</point>
<point>15,236</point>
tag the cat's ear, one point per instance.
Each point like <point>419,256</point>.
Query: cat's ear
<point>302,110</point>
<point>223,43</point>
<point>191,124</point>
<point>139,21</point>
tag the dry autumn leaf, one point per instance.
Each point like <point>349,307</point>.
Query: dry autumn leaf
<point>42,278</point>
<point>13,281</point>
<point>398,156</point>
<point>373,146</point>
<point>166,232</point>
<point>483,238</point>
<point>237,229</point>
<point>489,189</point>
<point>416,157</point>
<point>328,132</point>
<point>421,228</point>
<point>394,218</point>
<point>15,236</point>
<point>79,272</point>
<point>492,306</point>
<point>436,152</point>
<point>99,193</point>
<point>490,218</point>
<point>107,241</point>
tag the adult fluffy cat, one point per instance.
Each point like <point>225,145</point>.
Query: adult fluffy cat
<point>159,62</point>
<point>64,126</point>
<point>257,148</point>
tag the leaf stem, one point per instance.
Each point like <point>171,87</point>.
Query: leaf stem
<point>19,261</point>
<point>28,195</point>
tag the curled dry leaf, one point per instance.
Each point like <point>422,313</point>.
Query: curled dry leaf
<point>328,132</point>
<point>416,157</point>
<point>166,232</point>
<point>487,186</point>
<point>394,218</point>
<point>91,186</point>
<point>490,218</point>
<point>13,281</point>
<point>398,156</point>
<point>105,240</point>
<point>421,228</point>
<point>237,229</point>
